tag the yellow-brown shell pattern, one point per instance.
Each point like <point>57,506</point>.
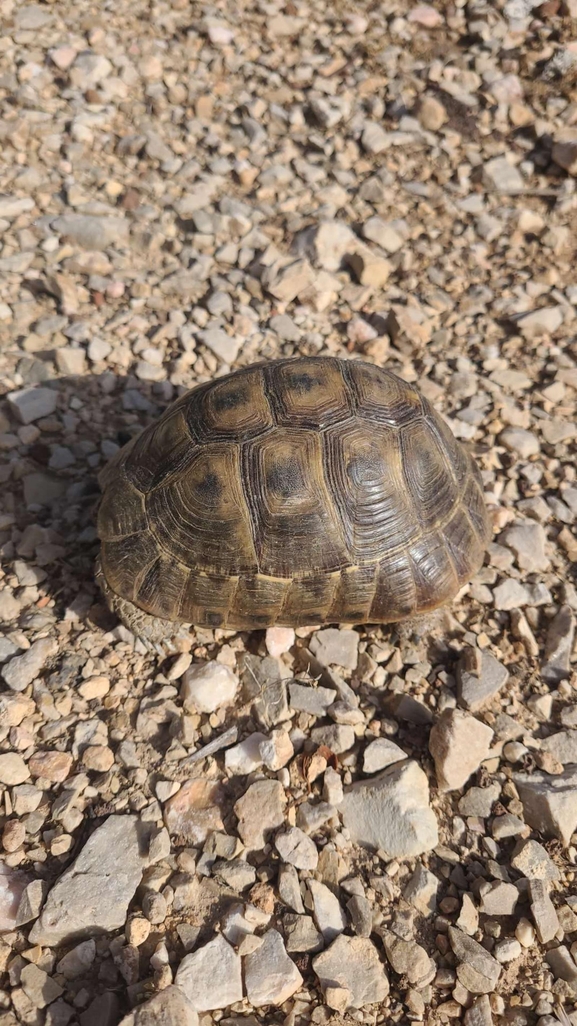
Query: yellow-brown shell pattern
<point>304,491</point>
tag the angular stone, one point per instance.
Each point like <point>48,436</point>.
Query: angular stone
<point>313,700</point>
<point>458,743</point>
<point>374,138</point>
<point>381,753</point>
<point>292,280</point>
<point>543,910</point>
<point>408,959</point>
<point>289,888</point>
<point>336,647</point>
<point>260,810</point>
<point>524,443</point>
<point>76,962</point>
<point>170,1007</point>
<point>421,890</point>
<point>562,746</point>
<point>30,404</point>
<point>211,976</point>
<point>540,322</point>
<point>563,966</point>
<point>369,268</point>
<point>327,910</point>
<point>195,811</point>
<point>391,812</point>
<point>549,802</point>
<point>245,757</point>
<point>500,899</point>
<point>527,540</point>
<point>297,849</point>
<point>13,769</point>
<point>354,964</point>
<point>479,801</point>
<point>559,646</point>
<point>93,894</point>
<point>479,1014</point>
<point>301,934</point>
<point>361,913</point>
<point>564,151</point>
<point>208,686</point>
<point>531,859</point>
<point>503,177</point>
<point>39,986</point>
<point>478,971</point>
<point>20,671</point>
<point>339,737</point>
<point>270,976</point>
<point>13,884</point>
<point>226,347</point>
<point>92,232</point>
<point>331,242</point>
<point>477,684</point>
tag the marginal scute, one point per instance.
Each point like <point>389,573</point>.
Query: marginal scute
<point>122,511</point>
<point>296,492</point>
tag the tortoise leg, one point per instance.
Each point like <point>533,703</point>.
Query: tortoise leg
<point>154,632</point>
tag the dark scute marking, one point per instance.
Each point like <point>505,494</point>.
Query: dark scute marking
<point>356,614</point>
<point>209,488</point>
<point>285,479</point>
<point>363,469</point>
<point>303,382</point>
<point>213,619</point>
<point>228,400</point>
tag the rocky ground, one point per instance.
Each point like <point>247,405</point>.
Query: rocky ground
<point>338,826</point>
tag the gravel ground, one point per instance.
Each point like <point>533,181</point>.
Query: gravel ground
<point>333,826</point>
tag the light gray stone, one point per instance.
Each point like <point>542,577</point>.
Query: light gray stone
<point>391,812</point>
<point>527,539</point>
<point>562,745</point>
<point>170,1007</point>
<point>327,910</point>
<point>549,802</point>
<point>270,976</point>
<point>381,753</point>
<point>421,890</point>
<point>339,737</point>
<point>211,976</point>
<point>543,910</point>
<point>30,404</point>
<point>478,684</point>
<point>90,232</point>
<point>354,964</point>
<point>314,700</point>
<point>559,646</point>
<point>93,894</point>
<point>301,934</point>
<point>336,647</point>
<point>297,849</point>
<point>502,177</point>
<point>20,671</point>
<point>409,959</point>
<point>458,743</point>
<point>478,971</point>
<point>531,859</point>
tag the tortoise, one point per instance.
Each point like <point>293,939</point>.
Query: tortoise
<point>295,492</point>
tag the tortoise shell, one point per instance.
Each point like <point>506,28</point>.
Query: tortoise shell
<point>302,491</point>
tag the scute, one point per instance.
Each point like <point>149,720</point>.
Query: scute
<point>295,526</point>
<point>201,517</point>
<point>308,392</point>
<point>363,468</point>
<point>232,407</point>
<point>296,492</point>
